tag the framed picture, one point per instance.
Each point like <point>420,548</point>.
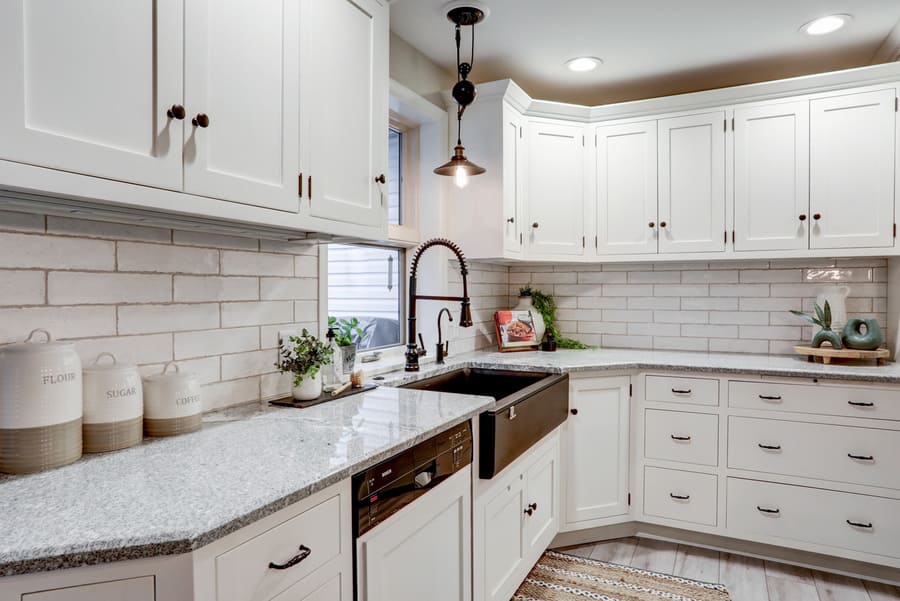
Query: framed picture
<point>515,331</point>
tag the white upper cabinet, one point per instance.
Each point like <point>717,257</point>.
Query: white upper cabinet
<point>771,177</point>
<point>86,87</point>
<point>241,91</point>
<point>555,190</point>
<point>626,188</point>
<point>513,181</point>
<point>852,167</point>
<point>344,109</point>
<point>692,183</point>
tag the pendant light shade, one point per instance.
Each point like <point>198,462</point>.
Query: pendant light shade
<point>459,161</point>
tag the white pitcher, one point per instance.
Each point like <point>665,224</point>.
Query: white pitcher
<point>837,300</point>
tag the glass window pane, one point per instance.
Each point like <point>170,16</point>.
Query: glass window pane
<point>395,176</point>
<point>364,282</point>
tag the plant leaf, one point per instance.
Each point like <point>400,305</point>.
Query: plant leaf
<point>808,318</point>
<point>820,313</point>
<point>827,318</point>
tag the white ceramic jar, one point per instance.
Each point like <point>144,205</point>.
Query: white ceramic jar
<point>172,402</point>
<point>40,404</point>
<point>113,405</point>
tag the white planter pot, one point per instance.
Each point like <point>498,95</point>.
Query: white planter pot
<point>310,388</point>
<point>526,303</point>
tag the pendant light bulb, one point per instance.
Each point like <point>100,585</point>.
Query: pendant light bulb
<point>461,178</point>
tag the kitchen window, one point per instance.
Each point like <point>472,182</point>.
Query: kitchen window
<point>365,282</point>
<point>402,185</point>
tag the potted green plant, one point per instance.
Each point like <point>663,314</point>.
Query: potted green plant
<point>545,305</point>
<point>823,320</point>
<point>304,356</point>
<point>347,333</point>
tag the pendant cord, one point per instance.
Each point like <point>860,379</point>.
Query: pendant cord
<point>472,59</point>
<point>458,40</point>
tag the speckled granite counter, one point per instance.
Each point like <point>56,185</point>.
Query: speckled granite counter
<point>626,359</point>
<point>174,495</point>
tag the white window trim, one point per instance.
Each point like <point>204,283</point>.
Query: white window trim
<point>408,230</point>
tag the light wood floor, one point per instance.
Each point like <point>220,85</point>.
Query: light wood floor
<point>747,579</point>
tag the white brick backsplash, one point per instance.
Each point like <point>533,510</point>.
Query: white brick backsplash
<point>770,304</point>
<point>215,342</point>
<point>298,247</point>
<point>256,313</point>
<point>709,277</point>
<point>771,276</point>
<point>601,302</point>
<point>288,289</point>
<point>68,226</point>
<point>221,241</point>
<point>649,302</point>
<point>861,262</point>
<point>159,258</point>
<point>602,277</point>
<point>654,277</point>
<point>723,345</point>
<point>739,290</point>
<point>256,264</point>
<point>23,222</point>
<point>147,319</point>
<point>709,331</point>
<point>770,332</point>
<point>579,315</point>
<point>139,350</point>
<point>193,289</point>
<point>848,274</point>
<point>628,290</point>
<point>249,364</point>
<point>22,288</point>
<point>309,311</point>
<point>207,369</point>
<point>306,266</point>
<point>226,394</point>
<point>626,315</point>
<point>709,304</point>
<point>680,343</point>
<point>612,340</point>
<point>654,329</point>
<point>268,335</point>
<point>681,316</point>
<point>275,386</point>
<point>739,317</point>
<point>686,290</point>
<point>600,327</point>
<point>61,322</point>
<point>85,288</point>
<point>55,252</point>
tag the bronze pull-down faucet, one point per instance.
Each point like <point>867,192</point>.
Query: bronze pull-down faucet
<point>465,319</point>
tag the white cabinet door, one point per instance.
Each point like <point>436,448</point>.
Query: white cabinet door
<point>513,180</point>
<point>555,190</point>
<point>541,503</point>
<point>852,170</point>
<point>86,86</point>
<point>692,183</point>
<point>344,108</point>
<point>771,177</point>
<point>422,552</point>
<point>245,79</point>
<point>504,544</point>
<point>596,449</point>
<point>626,189</point>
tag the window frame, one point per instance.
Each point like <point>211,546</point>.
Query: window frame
<point>408,230</point>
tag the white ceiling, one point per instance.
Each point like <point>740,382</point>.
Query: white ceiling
<point>651,47</point>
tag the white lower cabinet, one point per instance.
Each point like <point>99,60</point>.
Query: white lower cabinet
<point>516,518</point>
<point>130,589</point>
<point>595,442</point>
<point>679,495</point>
<point>423,551</point>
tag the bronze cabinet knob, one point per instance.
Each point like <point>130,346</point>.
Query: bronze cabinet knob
<point>651,225</point>
<point>176,111</point>
<point>201,120</point>
<point>380,179</point>
<point>535,225</point>
<point>511,220</point>
<point>817,216</point>
<point>574,411</point>
<point>803,217</point>
<point>662,224</point>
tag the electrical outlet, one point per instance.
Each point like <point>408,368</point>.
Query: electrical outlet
<point>283,335</point>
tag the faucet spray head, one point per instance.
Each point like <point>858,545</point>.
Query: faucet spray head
<point>465,316</point>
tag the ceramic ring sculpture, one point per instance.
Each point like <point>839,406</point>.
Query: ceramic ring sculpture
<point>827,336</point>
<point>855,338</point>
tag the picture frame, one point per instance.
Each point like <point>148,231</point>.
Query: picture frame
<point>515,331</point>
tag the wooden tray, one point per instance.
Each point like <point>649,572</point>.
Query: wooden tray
<point>323,398</point>
<point>827,354</point>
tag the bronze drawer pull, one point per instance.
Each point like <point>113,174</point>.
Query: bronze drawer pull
<point>679,497</point>
<point>860,404</point>
<point>680,437</point>
<point>767,510</point>
<point>860,524</point>
<point>861,457</point>
<point>770,447</point>
<point>680,391</point>
<point>303,554</point>
<point>766,397</point>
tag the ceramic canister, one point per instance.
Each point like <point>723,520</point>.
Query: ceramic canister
<point>172,403</point>
<point>113,405</point>
<point>40,404</point>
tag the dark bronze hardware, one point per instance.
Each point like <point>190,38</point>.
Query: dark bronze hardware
<point>766,510</point>
<point>300,185</point>
<point>201,120</point>
<point>802,216</point>
<point>303,554</point>
<point>442,349</point>
<point>770,447</point>
<point>380,179</point>
<point>861,457</point>
<point>817,216</point>
<point>860,524</point>
<point>533,506</point>
<point>674,437</point>
<point>860,404</point>
<point>679,497</point>
<point>535,225</point>
<point>529,510</point>
<point>511,220</point>
<point>573,411</point>
<point>662,224</point>
<point>769,398</point>
<point>309,187</point>
<point>651,225</point>
<point>679,391</point>
<point>176,111</point>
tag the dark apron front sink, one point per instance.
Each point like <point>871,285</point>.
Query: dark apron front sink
<point>529,406</point>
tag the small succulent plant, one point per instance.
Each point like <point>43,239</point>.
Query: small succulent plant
<point>822,317</point>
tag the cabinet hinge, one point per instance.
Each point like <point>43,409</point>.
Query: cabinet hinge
<point>732,237</point>
<point>724,124</point>
<point>732,124</point>
<point>583,243</point>
<point>630,390</point>
<point>895,230</point>
<point>300,186</point>
<point>629,499</point>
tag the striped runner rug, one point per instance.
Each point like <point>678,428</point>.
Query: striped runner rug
<point>561,577</point>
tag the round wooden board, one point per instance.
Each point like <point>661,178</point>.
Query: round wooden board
<point>826,353</point>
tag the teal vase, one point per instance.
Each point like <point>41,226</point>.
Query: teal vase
<point>827,336</point>
<point>855,338</point>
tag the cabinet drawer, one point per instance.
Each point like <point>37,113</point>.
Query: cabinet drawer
<point>678,495</point>
<point>838,453</point>
<point>813,515</point>
<point>132,589</point>
<point>674,389</point>
<point>681,436</point>
<point>851,401</point>
<point>243,573</point>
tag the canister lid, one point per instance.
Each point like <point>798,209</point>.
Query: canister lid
<point>97,367</point>
<point>166,375</point>
<point>32,345</point>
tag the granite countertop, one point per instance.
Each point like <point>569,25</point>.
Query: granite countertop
<point>174,495</point>
<point>628,359</point>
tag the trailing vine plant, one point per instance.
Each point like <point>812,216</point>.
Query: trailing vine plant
<point>545,304</point>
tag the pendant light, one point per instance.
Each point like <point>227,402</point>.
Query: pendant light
<point>464,92</point>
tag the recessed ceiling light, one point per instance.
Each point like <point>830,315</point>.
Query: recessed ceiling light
<point>583,63</point>
<point>827,24</point>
